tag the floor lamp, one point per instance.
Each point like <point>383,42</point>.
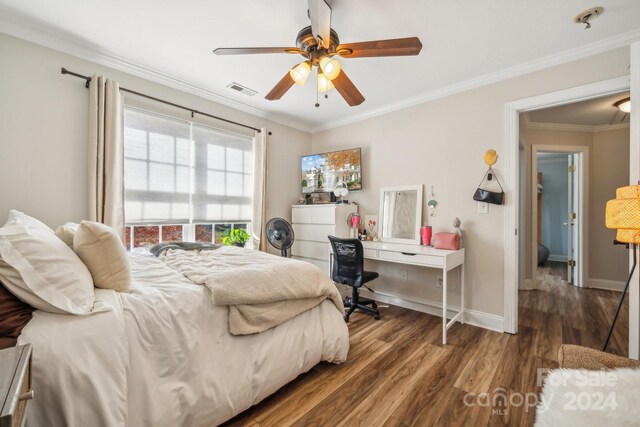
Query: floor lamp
<point>623,214</point>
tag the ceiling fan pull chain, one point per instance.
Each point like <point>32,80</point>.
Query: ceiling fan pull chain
<point>317,92</point>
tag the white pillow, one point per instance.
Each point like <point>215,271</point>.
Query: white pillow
<point>42,271</point>
<point>66,232</point>
<point>102,251</point>
<point>27,220</point>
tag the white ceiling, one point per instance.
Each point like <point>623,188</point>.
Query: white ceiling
<point>594,112</point>
<point>462,40</point>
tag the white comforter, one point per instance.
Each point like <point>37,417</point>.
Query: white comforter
<point>162,356</point>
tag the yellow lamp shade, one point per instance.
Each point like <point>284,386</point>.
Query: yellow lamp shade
<point>623,214</point>
<point>300,72</point>
<point>324,84</point>
<point>330,67</point>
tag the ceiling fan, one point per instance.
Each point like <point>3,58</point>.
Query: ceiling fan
<point>318,44</point>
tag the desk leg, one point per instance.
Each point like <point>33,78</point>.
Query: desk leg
<point>444,305</point>
<point>462,306</point>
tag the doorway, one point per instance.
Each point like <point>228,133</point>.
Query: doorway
<point>514,229</point>
<point>579,154</point>
<point>559,214</point>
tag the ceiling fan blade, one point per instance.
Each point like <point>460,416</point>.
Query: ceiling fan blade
<point>320,15</point>
<point>281,88</point>
<point>347,89</point>
<point>392,47</point>
<point>254,50</point>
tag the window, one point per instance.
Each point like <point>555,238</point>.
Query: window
<point>184,181</point>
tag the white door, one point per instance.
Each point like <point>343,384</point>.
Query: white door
<point>573,219</point>
<point>569,224</point>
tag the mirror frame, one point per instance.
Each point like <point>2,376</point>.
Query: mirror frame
<point>418,223</point>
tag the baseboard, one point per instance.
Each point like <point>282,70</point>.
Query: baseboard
<point>472,317</point>
<point>558,258</point>
<point>609,285</point>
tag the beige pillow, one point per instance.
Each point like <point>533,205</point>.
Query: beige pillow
<point>102,251</point>
<point>42,271</point>
<point>66,233</point>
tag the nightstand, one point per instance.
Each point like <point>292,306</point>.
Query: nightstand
<point>15,385</point>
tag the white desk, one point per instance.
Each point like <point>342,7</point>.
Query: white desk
<point>424,256</point>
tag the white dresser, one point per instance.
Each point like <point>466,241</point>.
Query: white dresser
<point>312,224</point>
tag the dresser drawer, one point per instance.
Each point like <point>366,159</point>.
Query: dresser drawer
<point>418,259</point>
<point>301,215</point>
<point>370,253</point>
<point>314,232</point>
<point>323,215</point>
<point>314,250</point>
<point>317,214</point>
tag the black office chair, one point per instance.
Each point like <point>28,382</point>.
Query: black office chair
<point>348,269</point>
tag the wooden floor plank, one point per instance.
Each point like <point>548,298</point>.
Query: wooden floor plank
<point>377,407</point>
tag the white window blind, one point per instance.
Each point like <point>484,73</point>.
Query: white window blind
<point>177,172</point>
<point>223,176</point>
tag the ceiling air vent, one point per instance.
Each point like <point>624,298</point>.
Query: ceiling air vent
<point>242,89</point>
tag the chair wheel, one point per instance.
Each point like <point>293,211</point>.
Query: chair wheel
<point>374,305</point>
<point>346,318</point>
<point>376,316</point>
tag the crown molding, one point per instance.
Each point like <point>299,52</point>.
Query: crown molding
<point>24,29</point>
<point>564,57</point>
<point>567,127</point>
<point>58,41</point>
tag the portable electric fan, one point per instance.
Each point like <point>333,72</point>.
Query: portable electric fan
<point>280,234</point>
<point>353,221</point>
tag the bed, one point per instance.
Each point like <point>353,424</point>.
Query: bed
<point>162,355</point>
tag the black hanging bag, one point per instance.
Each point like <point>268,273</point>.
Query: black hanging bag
<point>489,196</point>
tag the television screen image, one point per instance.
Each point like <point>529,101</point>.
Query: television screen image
<point>322,172</point>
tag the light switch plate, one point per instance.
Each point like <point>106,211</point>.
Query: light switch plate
<point>483,208</point>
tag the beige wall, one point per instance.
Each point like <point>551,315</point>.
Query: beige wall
<point>441,143</point>
<point>608,170</point>
<point>44,126</point>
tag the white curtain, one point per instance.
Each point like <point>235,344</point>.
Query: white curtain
<point>106,153</point>
<point>259,190</point>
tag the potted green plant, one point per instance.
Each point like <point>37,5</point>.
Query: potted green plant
<point>236,237</point>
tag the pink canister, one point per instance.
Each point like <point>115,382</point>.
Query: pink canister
<point>425,233</point>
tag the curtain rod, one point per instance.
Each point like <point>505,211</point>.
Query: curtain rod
<point>153,98</point>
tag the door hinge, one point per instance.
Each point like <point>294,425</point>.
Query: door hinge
<point>572,168</point>
<point>516,231</point>
<point>572,215</point>
<point>571,263</point>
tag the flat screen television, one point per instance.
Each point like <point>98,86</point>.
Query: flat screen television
<point>322,172</point>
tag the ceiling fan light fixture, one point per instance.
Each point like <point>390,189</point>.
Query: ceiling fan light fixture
<point>300,72</point>
<point>324,84</point>
<point>330,67</point>
<point>624,105</point>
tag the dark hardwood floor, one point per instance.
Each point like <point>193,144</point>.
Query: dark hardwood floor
<point>399,374</point>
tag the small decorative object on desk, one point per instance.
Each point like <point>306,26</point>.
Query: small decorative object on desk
<point>353,221</point>
<point>432,203</point>
<point>450,241</point>
<point>372,223</point>
<point>425,233</point>
<point>456,224</point>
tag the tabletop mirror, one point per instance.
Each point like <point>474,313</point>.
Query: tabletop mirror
<point>400,214</point>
